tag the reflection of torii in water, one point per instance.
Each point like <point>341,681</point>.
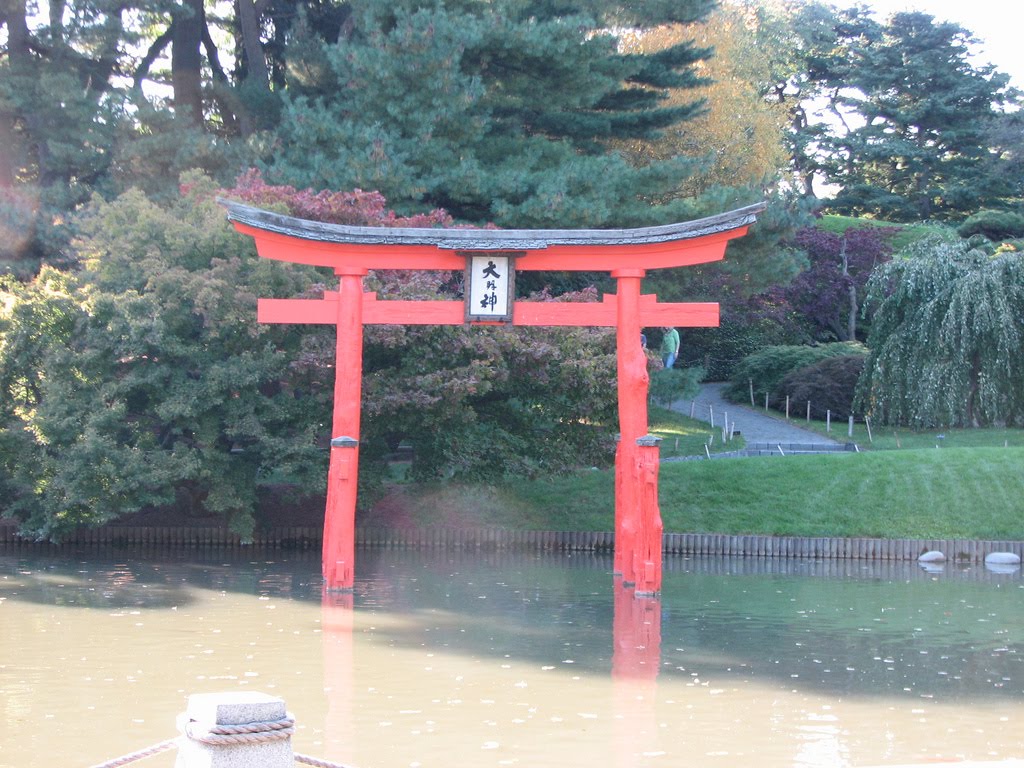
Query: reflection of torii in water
<point>636,659</point>
<point>626,254</point>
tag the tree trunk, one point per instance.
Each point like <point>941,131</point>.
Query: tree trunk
<point>851,319</point>
<point>803,168</point>
<point>57,8</point>
<point>186,59</point>
<point>13,15</point>
<point>256,73</point>
<point>973,391</point>
<point>851,314</point>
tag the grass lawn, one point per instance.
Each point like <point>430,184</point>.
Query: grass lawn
<point>906,234</point>
<point>964,483</point>
<point>683,436</point>
<point>889,438</point>
<point>974,493</point>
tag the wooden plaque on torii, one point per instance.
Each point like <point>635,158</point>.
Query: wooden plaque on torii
<point>626,254</point>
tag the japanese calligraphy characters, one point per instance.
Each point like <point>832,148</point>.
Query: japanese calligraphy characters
<point>490,287</point>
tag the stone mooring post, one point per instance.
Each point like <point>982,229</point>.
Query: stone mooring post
<point>235,730</point>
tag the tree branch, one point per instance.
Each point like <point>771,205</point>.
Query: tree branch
<point>154,51</point>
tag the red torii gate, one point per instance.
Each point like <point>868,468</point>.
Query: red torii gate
<point>626,254</point>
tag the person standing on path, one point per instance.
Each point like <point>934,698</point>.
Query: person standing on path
<point>670,347</point>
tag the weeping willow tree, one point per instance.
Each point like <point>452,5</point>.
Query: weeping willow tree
<point>947,338</point>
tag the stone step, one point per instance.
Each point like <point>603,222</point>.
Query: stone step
<point>772,449</point>
<point>788,448</point>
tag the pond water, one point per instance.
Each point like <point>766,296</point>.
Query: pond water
<point>458,659</point>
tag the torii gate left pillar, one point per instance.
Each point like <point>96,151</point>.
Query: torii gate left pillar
<point>339,555</point>
<point>625,254</point>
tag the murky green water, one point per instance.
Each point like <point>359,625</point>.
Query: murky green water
<point>467,659</point>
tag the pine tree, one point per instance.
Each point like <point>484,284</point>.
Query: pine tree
<point>59,111</point>
<point>913,138</point>
<point>497,111</point>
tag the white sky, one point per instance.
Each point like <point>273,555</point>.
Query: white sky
<point>998,24</point>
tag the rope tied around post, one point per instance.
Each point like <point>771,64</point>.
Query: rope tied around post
<point>255,721</point>
<point>242,733</point>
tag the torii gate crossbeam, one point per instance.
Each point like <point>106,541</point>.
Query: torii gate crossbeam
<point>627,254</point>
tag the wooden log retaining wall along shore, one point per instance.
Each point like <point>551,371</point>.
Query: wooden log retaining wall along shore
<point>298,537</point>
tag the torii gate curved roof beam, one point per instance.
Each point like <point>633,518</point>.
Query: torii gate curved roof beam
<point>341,246</point>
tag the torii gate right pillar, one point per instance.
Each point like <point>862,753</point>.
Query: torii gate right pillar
<point>638,526</point>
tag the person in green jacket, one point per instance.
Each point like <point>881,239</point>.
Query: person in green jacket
<point>670,347</point>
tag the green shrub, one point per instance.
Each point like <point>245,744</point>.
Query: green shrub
<point>995,225</point>
<point>767,368</point>
<point>740,333</point>
<point>671,384</point>
<point>829,385</point>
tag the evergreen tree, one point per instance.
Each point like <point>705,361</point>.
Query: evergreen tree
<point>496,111</point>
<point>100,95</point>
<point>59,113</point>
<point>912,119</point>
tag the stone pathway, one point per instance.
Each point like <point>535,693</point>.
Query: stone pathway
<point>762,434</point>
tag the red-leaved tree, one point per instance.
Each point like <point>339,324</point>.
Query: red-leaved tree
<point>829,294</point>
<point>473,402</point>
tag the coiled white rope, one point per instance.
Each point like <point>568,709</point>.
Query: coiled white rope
<point>245,733</point>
